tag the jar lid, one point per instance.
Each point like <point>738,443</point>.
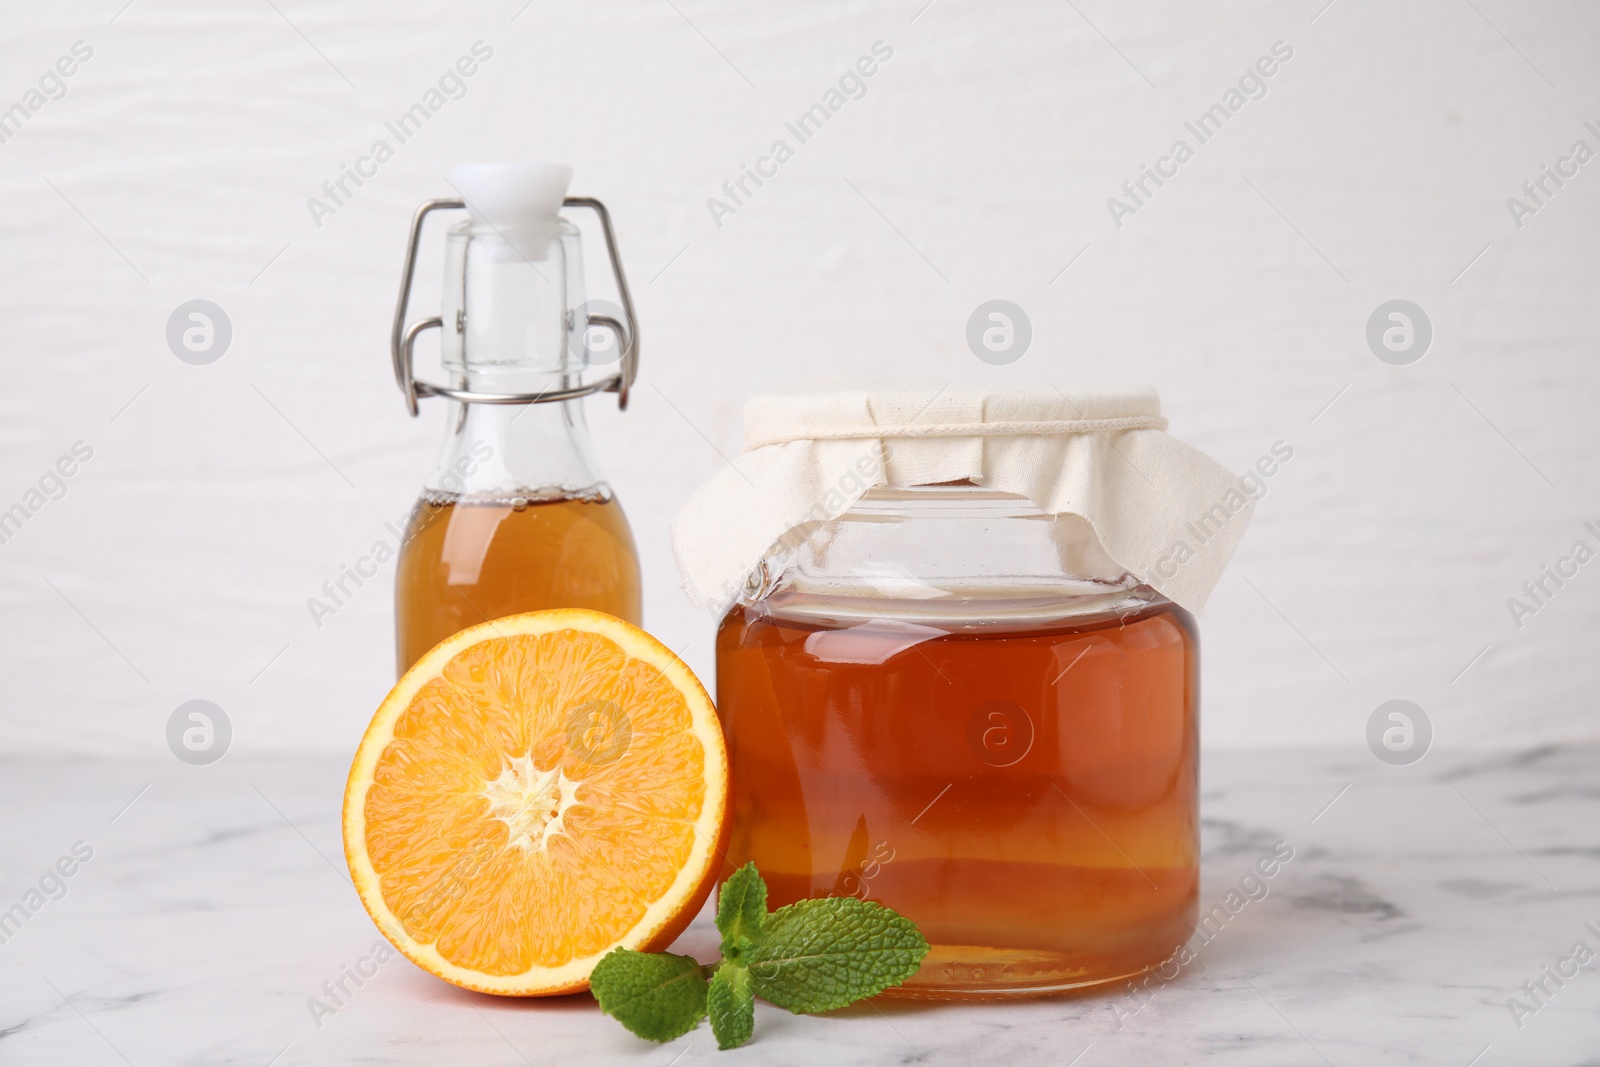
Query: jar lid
<point>1164,511</point>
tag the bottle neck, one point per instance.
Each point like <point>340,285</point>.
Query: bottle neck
<point>509,328</point>
<point>533,451</point>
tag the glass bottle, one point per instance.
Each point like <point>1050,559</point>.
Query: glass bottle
<point>952,703</point>
<point>515,515</point>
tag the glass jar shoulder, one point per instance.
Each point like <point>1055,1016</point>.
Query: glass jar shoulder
<point>788,616</point>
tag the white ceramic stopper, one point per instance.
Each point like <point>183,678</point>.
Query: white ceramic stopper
<point>521,201</point>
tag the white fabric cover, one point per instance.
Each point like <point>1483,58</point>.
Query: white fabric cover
<point>1164,511</point>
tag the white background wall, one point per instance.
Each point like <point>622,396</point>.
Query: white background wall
<point>1378,166</point>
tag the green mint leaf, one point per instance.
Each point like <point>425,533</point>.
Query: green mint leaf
<point>817,955</point>
<point>741,909</point>
<point>657,995</point>
<point>731,1003</point>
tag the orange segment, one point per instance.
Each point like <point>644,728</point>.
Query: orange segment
<point>534,792</point>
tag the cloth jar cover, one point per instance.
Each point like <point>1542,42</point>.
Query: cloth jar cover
<point>1164,511</point>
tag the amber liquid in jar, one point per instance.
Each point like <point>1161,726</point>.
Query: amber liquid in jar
<point>469,559</point>
<point>1025,791</point>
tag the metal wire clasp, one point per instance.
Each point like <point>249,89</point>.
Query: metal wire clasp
<point>403,337</point>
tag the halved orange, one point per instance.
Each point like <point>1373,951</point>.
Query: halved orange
<point>534,792</point>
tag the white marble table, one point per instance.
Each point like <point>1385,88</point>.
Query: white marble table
<point>215,905</point>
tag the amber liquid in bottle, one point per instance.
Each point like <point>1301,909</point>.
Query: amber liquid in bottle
<point>1024,792</point>
<point>471,558</point>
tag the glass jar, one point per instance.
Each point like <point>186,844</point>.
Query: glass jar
<point>952,703</point>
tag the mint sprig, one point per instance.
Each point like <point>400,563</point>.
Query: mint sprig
<point>731,1003</point>
<point>813,955</point>
<point>741,909</point>
<point>657,995</point>
<point>818,955</point>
